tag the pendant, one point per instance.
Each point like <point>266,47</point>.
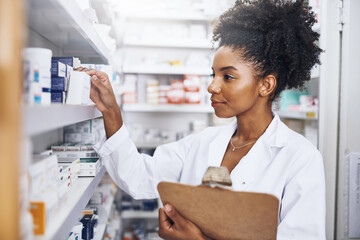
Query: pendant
<point>233,149</point>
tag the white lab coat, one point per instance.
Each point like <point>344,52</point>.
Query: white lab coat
<point>281,162</point>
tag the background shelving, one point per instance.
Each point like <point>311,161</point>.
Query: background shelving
<point>169,70</point>
<point>177,108</point>
<point>171,43</point>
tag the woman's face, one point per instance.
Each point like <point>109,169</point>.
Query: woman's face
<point>234,90</point>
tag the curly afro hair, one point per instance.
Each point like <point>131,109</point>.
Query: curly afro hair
<point>273,35</point>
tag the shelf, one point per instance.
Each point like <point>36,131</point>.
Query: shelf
<point>180,108</point>
<point>130,214</point>
<point>148,145</point>
<point>39,119</point>
<point>78,196</point>
<point>63,23</point>
<point>175,16</point>
<point>175,70</point>
<point>304,115</point>
<point>100,231</point>
<point>171,43</point>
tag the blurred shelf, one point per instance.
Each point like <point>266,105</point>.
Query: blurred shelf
<point>39,119</point>
<point>148,145</point>
<point>174,70</point>
<point>304,115</point>
<point>130,214</point>
<point>180,108</point>
<point>78,196</point>
<point>100,231</point>
<point>171,43</point>
<point>175,16</point>
<point>63,23</point>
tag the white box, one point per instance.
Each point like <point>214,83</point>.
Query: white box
<point>79,89</point>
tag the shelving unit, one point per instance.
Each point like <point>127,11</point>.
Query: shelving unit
<point>178,108</point>
<point>169,70</point>
<point>39,119</point>
<point>63,23</point>
<point>78,196</point>
<point>131,214</point>
<point>62,26</point>
<point>304,115</point>
<point>101,227</point>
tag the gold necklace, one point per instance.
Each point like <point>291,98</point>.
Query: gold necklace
<point>234,148</point>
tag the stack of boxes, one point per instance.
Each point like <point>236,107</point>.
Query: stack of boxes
<point>192,85</point>
<point>49,181</point>
<point>152,91</point>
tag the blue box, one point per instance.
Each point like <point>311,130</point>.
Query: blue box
<point>58,84</point>
<point>67,60</point>
<point>58,69</point>
<point>57,97</point>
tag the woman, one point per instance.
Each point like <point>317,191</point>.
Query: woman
<point>264,47</point>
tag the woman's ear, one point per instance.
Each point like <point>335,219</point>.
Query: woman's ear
<point>267,85</point>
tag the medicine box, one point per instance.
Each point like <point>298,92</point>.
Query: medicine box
<point>79,89</point>
<point>71,61</point>
<point>58,69</point>
<point>89,163</point>
<point>58,84</point>
<point>58,97</point>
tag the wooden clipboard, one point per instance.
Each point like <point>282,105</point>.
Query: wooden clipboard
<point>222,213</point>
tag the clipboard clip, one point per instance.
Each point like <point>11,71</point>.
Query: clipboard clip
<point>217,177</point>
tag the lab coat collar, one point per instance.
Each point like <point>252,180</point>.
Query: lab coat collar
<point>275,136</point>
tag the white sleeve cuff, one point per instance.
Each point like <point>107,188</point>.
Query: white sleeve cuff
<point>107,146</point>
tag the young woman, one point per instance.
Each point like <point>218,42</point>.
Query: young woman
<point>265,46</point>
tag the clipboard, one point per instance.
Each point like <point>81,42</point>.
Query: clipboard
<point>222,213</point>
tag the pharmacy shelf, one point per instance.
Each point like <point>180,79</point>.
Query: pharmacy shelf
<point>100,231</point>
<point>179,108</point>
<point>175,70</point>
<point>101,228</point>
<point>78,196</point>
<point>171,43</point>
<point>176,16</point>
<point>63,23</point>
<point>39,119</point>
<point>304,115</point>
<point>131,214</point>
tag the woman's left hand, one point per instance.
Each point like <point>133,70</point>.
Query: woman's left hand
<point>173,226</point>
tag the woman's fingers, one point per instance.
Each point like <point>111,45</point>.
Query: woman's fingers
<point>174,215</point>
<point>163,220</point>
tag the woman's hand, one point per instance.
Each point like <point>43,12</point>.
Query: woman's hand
<point>173,226</point>
<point>101,93</point>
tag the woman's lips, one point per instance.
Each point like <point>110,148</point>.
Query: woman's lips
<point>215,103</point>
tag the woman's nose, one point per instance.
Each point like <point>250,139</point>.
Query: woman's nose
<point>214,88</point>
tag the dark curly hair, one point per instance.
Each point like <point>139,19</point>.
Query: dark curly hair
<point>275,36</point>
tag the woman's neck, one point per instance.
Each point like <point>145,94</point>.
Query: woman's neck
<point>251,125</point>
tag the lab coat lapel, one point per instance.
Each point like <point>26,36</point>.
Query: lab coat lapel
<point>217,147</point>
<point>253,164</point>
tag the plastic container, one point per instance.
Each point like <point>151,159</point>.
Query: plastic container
<point>38,69</point>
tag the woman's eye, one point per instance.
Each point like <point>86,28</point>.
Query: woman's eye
<point>228,77</point>
<point>212,75</point>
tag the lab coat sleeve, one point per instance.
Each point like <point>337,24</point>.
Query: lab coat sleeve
<point>302,211</point>
<point>138,174</point>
